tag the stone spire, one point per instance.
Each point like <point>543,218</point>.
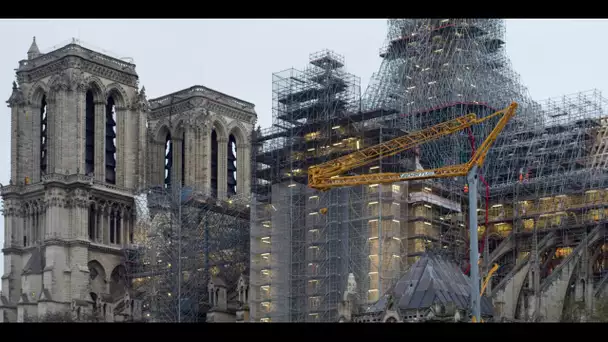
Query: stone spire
<point>16,96</point>
<point>33,52</point>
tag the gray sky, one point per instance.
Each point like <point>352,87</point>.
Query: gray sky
<point>238,57</point>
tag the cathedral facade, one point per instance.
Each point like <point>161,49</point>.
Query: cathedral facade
<point>84,141</point>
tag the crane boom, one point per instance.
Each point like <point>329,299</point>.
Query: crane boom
<point>326,175</point>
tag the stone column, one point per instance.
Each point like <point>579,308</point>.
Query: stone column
<point>200,163</point>
<point>123,240</point>
<point>80,92</point>
<point>58,145</point>
<point>104,228</point>
<point>222,167</point>
<point>7,223</point>
<point>131,149</point>
<point>25,141</point>
<point>191,157</point>
<point>9,215</point>
<point>142,144</point>
<point>33,111</point>
<point>243,172</point>
<point>206,158</point>
<point>14,142</point>
<point>176,168</point>
<point>30,226</point>
<point>51,110</point>
<point>112,226</point>
<point>100,140</point>
<point>26,230</point>
<point>98,223</point>
<point>82,215</point>
<point>132,221</point>
<point>159,163</point>
<point>43,229</point>
<point>35,226</point>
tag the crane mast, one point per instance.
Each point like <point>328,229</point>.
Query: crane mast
<point>328,175</point>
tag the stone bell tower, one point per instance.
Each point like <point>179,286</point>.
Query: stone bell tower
<point>78,125</point>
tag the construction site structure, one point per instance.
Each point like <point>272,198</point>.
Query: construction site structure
<point>316,117</point>
<point>300,259</point>
<point>431,69</point>
<point>329,175</point>
<point>549,212</point>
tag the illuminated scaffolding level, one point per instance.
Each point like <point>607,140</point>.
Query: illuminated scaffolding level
<point>300,259</point>
<point>549,209</point>
<point>544,181</point>
<point>432,71</point>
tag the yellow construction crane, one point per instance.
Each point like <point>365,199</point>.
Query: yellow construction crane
<point>327,175</point>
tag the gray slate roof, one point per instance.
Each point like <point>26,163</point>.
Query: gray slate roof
<point>432,279</point>
<point>36,263</point>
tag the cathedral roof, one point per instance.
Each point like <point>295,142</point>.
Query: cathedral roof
<point>431,280</point>
<point>35,265</point>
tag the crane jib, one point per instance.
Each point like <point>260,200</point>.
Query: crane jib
<point>417,174</point>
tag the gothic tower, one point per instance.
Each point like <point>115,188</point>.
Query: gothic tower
<point>78,126</point>
<point>200,138</point>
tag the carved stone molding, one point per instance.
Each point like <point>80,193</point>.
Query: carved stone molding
<point>200,103</point>
<point>91,67</point>
<point>17,98</point>
<point>140,102</point>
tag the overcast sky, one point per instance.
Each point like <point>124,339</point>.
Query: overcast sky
<point>238,57</point>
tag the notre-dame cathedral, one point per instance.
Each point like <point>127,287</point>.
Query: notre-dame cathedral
<point>84,140</point>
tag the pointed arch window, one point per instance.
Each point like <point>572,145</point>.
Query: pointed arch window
<point>231,168</point>
<point>168,160</point>
<point>43,136</point>
<point>111,141</point>
<point>183,155</point>
<point>214,162</point>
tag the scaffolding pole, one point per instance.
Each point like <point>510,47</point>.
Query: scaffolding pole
<point>474,254</point>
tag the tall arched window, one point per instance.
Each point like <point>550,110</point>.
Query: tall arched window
<point>92,221</point>
<point>183,155</point>
<point>90,134</point>
<point>231,169</point>
<point>168,160</point>
<point>112,225</point>
<point>43,136</point>
<point>214,162</point>
<point>111,141</point>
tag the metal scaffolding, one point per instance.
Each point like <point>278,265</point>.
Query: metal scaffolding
<point>183,237</point>
<point>432,71</point>
<point>435,70</point>
<point>300,258</point>
<point>438,69</point>
<point>549,204</point>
